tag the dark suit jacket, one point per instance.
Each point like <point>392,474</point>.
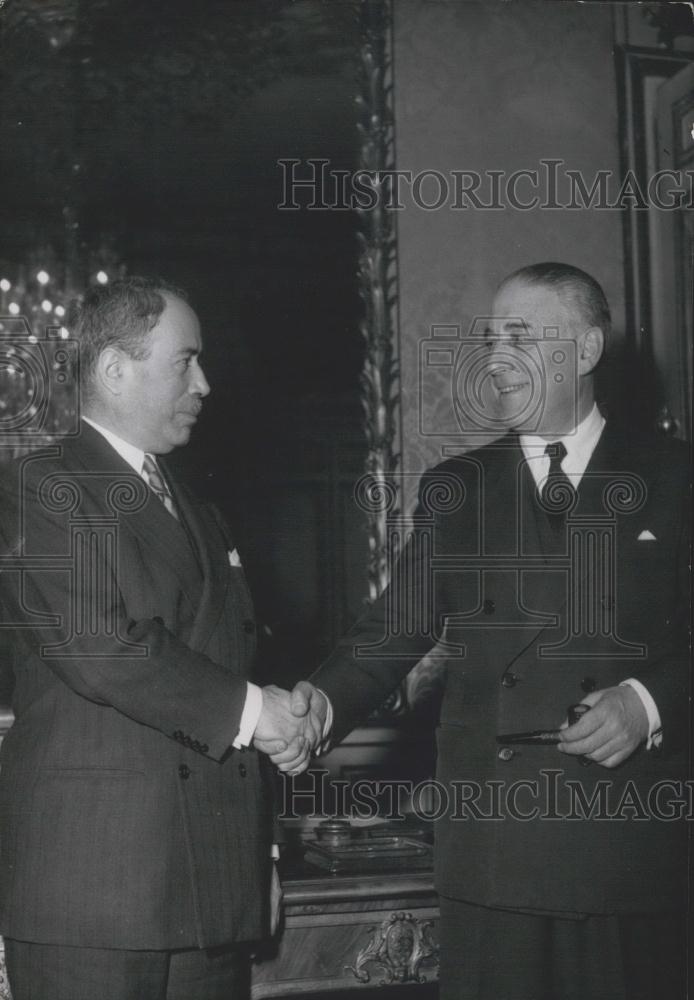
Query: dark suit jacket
<point>127,819</point>
<point>488,561</point>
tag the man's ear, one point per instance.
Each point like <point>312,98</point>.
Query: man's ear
<point>110,370</point>
<point>591,345</point>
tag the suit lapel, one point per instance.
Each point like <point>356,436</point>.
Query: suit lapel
<point>155,529</point>
<point>549,597</point>
<point>606,464</point>
<point>513,522</point>
<point>206,538</point>
<point>165,538</point>
<point>511,540</point>
<point>502,505</point>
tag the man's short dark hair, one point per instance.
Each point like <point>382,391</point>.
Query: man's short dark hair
<point>119,314</point>
<point>581,290</point>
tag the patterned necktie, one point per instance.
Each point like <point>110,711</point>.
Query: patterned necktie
<point>558,495</point>
<point>156,482</point>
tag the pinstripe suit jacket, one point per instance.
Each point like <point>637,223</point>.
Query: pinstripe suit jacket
<point>128,821</point>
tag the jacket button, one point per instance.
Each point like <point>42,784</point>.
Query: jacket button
<point>588,684</point>
<point>489,607</point>
<point>509,680</point>
<point>184,771</point>
<point>506,754</point>
<point>248,626</point>
<point>242,770</point>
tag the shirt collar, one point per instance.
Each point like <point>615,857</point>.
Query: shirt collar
<point>579,445</point>
<point>133,455</point>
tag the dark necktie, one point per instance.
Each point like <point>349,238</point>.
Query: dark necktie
<point>157,483</point>
<point>558,495</point>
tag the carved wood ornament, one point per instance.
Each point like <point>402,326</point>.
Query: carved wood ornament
<point>399,945</point>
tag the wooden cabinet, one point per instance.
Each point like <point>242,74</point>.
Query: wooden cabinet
<point>362,934</point>
<point>353,933</point>
<point>343,933</point>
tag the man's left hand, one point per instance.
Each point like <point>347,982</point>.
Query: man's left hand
<point>615,726</point>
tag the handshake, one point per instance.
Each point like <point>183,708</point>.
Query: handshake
<point>291,726</point>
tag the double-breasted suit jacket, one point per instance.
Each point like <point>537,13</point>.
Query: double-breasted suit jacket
<point>128,820</point>
<point>535,611</point>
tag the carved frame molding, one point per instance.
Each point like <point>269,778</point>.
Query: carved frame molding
<point>377,280</point>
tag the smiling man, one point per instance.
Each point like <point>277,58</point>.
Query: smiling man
<point>544,344</point>
<point>136,818</point>
<point>553,563</point>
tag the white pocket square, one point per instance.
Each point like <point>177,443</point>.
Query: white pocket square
<point>234,559</point>
<point>646,536</point>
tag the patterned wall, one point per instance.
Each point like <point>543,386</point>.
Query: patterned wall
<point>484,87</point>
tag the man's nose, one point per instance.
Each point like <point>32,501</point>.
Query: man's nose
<point>501,355</point>
<point>497,359</point>
<point>200,386</point>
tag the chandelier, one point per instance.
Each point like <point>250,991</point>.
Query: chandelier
<point>39,360</point>
<point>39,365</point>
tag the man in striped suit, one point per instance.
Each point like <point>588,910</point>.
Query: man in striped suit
<point>136,812</point>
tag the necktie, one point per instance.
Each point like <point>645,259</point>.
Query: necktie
<point>156,482</point>
<point>558,495</point>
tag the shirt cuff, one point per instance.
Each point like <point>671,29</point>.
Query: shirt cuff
<point>327,725</point>
<point>250,716</point>
<point>655,731</point>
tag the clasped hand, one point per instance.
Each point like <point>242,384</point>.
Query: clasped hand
<point>290,727</point>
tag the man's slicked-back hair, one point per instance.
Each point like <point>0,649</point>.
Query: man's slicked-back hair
<point>120,314</point>
<point>576,287</point>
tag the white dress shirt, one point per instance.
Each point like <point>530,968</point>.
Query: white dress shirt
<point>579,445</point>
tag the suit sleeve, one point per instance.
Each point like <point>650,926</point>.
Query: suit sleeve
<point>401,627</point>
<point>135,666</point>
